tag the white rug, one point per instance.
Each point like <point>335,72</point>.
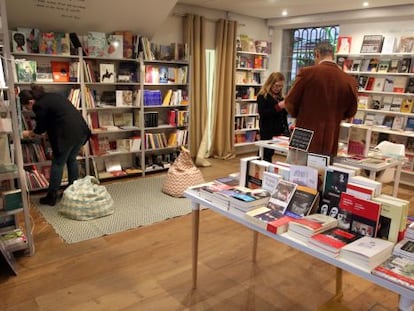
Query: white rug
<point>137,203</point>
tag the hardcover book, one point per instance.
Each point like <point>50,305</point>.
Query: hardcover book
<point>18,39</point>
<point>26,70</point>
<point>107,73</point>
<point>282,195</point>
<point>344,45</point>
<point>372,44</point>
<point>114,47</point>
<point>60,71</point>
<point>303,202</point>
<point>96,43</point>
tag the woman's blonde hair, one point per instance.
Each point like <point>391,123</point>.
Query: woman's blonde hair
<point>272,79</point>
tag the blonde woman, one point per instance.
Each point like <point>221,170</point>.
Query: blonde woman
<point>271,108</point>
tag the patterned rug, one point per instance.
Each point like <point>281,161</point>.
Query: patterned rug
<point>137,203</point>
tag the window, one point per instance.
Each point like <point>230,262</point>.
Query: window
<point>298,48</point>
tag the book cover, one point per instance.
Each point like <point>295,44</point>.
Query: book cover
<point>364,213</point>
<point>281,196</point>
<point>245,198</point>
<point>303,202</point>
<point>397,269</point>
<point>60,71</point>
<point>344,45</point>
<point>124,98</point>
<point>26,70</point>
<point>368,252</point>
<point>383,65</point>
<point>407,105</point>
<point>312,224</point>
<point>114,46</point>
<point>332,240</point>
<point>304,175</point>
<point>18,39</point>
<point>47,43</point>
<point>44,72</point>
<point>107,72</point>
<point>11,199</point>
<point>32,39</point>
<point>96,43</point>
<point>62,43</point>
<point>372,44</point>
<point>268,219</point>
<point>405,44</point>
<point>404,65</point>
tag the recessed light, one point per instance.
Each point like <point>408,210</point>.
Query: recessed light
<point>284,13</point>
<point>365,4</point>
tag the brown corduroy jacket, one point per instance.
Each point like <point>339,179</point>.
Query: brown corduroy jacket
<point>322,95</point>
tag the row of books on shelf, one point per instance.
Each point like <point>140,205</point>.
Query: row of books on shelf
<point>390,84</point>
<point>376,64</point>
<point>386,103</point>
<point>248,77</point>
<point>119,44</point>
<point>166,74</point>
<point>244,43</point>
<point>396,123</point>
<point>378,43</point>
<point>103,145</point>
<point>28,71</point>
<point>245,108</point>
<point>250,61</point>
<point>35,152</point>
<point>246,122</point>
<point>36,179</point>
<point>246,137</point>
<point>170,98</point>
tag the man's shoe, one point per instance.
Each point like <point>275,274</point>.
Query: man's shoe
<point>48,200</point>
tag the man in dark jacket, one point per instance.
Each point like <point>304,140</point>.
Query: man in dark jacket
<point>321,97</point>
<point>66,129</point>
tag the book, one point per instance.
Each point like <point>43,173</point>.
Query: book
<point>60,71</point>
<point>18,41</point>
<point>404,248</point>
<point>332,240</point>
<point>373,64</point>
<point>404,65</point>
<point>32,38</point>
<point>320,163</point>
<point>392,208</point>
<point>406,105</point>
<point>409,126</point>
<point>360,191</point>
<point>282,195</point>
<point>107,72</point>
<point>26,70</point>
<point>13,240</point>
<point>304,175</point>
<point>44,72</point>
<point>256,168</point>
<point>114,46</point>
<point>398,123</point>
<point>11,199</point>
<point>396,269</point>
<point>47,44</point>
<point>311,224</point>
<point>383,65</point>
<point>363,214</point>
<point>344,45</point>
<point>405,44</point>
<point>303,202</point>
<point>389,44</point>
<point>96,43</point>
<point>336,179</point>
<point>244,169</point>
<point>243,198</point>
<point>372,44</point>
<point>269,219</point>
<point>124,98</point>
<point>365,181</point>
<point>367,252</point>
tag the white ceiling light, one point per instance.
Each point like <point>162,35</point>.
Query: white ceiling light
<point>365,4</point>
<point>284,13</point>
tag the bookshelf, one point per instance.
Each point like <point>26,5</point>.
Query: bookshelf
<point>251,67</point>
<point>385,102</point>
<point>136,105</point>
<point>15,213</point>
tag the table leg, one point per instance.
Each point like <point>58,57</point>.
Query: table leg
<point>372,175</point>
<point>261,152</point>
<point>338,290</point>
<point>196,222</point>
<point>255,238</point>
<point>397,177</point>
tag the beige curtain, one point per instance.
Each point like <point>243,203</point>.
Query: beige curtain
<point>194,36</point>
<point>224,92</point>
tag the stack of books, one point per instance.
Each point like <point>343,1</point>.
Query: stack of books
<point>304,228</point>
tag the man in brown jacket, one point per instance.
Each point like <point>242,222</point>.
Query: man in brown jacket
<point>322,95</point>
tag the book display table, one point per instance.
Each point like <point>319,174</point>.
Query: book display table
<point>406,301</point>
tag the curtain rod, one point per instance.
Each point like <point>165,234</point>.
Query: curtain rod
<point>209,19</point>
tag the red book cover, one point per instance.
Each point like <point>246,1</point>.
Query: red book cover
<point>334,238</point>
<point>344,45</point>
<point>279,226</point>
<point>60,71</point>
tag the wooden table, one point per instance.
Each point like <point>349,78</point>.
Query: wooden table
<point>406,302</point>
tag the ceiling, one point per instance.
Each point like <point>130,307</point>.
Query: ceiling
<point>269,9</point>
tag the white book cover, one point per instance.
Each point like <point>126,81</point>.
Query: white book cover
<point>107,73</point>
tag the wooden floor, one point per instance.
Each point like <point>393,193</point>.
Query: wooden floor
<point>149,268</point>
